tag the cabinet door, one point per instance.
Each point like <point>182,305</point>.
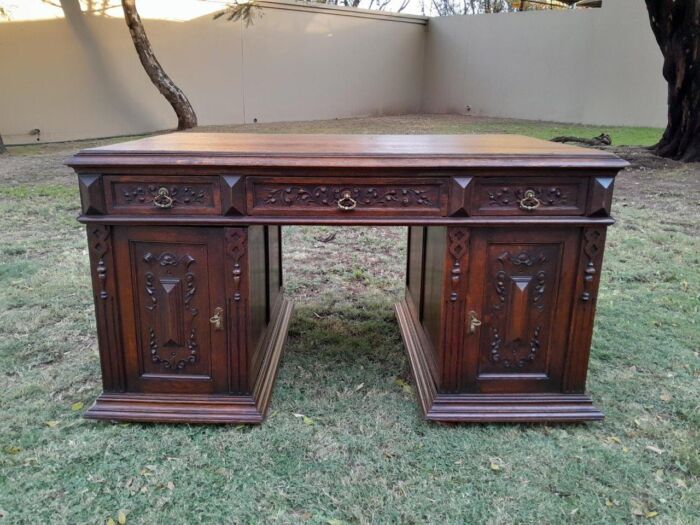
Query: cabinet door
<point>171,283</point>
<point>521,285</point>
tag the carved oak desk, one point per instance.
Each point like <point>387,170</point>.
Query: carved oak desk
<point>505,235</point>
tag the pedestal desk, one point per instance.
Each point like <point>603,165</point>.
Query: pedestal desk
<point>505,245</point>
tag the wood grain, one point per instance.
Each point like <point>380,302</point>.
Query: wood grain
<point>289,150</point>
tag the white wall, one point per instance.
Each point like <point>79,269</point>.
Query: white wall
<point>592,66</point>
<point>301,67</point>
<point>79,76</point>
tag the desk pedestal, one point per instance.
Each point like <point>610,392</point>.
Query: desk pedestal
<point>194,330</point>
<point>497,321</point>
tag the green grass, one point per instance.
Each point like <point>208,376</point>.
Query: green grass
<point>450,124</point>
<point>420,123</point>
<point>362,454</point>
<point>621,136</point>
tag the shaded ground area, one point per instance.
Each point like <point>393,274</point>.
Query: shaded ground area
<point>362,454</point>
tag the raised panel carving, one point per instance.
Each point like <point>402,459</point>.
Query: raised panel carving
<point>192,194</point>
<point>172,291</point>
<point>520,292</point>
<point>509,196</point>
<point>325,195</point>
<point>318,196</point>
<point>160,195</point>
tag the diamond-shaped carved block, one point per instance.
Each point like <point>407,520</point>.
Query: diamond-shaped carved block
<point>460,195</point>
<point>232,195</point>
<point>172,319</point>
<point>600,199</point>
<point>92,195</point>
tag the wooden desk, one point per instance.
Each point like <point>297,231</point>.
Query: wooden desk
<point>506,237</point>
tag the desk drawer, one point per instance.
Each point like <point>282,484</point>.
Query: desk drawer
<point>162,195</point>
<point>529,196</point>
<point>345,196</point>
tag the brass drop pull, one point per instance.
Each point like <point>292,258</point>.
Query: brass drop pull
<point>163,199</point>
<point>216,318</point>
<point>474,322</point>
<point>346,202</point>
<point>529,201</point>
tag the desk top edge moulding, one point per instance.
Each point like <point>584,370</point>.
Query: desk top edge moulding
<point>505,247</point>
<point>324,150</point>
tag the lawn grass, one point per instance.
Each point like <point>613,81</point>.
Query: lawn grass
<point>451,124</point>
<point>362,454</point>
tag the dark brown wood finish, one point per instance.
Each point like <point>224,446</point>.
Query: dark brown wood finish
<point>168,291</point>
<point>104,286</point>
<point>521,292</point>
<point>503,196</point>
<point>132,194</point>
<point>242,150</point>
<point>319,197</point>
<point>505,249</point>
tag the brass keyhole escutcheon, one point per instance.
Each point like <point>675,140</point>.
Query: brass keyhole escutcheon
<point>216,319</point>
<point>346,202</point>
<point>529,201</point>
<point>163,199</point>
<point>473,322</point>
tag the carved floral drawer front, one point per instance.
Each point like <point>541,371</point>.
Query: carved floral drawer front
<point>345,196</point>
<point>529,196</point>
<point>162,195</point>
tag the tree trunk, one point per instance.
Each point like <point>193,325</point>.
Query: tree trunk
<point>186,117</point>
<point>3,149</point>
<point>676,26</point>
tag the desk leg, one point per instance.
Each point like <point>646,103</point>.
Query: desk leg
<point>268,311</point>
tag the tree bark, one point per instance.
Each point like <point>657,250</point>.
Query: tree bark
<point>676,26</point>
<point>186,117</point>
<point>3,149</point>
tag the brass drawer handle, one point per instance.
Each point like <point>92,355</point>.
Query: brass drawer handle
<point>529,201</point>
<point>163,199</point>
<point>216,318</point>
<point>474,322</point>
<point>346,202</point>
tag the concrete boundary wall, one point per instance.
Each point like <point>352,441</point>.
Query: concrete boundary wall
<point>590,66</point>
<point>79,77</point>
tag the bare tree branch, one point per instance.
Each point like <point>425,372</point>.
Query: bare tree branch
<point>186,117</point>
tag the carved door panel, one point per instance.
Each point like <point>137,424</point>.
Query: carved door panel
<point>171,286</point>
<point>521,293</point>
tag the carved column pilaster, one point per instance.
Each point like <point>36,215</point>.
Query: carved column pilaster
<point>454,305</point>
<point>106,311</point>
<point>236,264</point>
<point>587,281</point>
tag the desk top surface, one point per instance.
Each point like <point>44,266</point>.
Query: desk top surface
<point>338,151</point>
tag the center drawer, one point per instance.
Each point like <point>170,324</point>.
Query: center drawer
<point>316,196</point>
